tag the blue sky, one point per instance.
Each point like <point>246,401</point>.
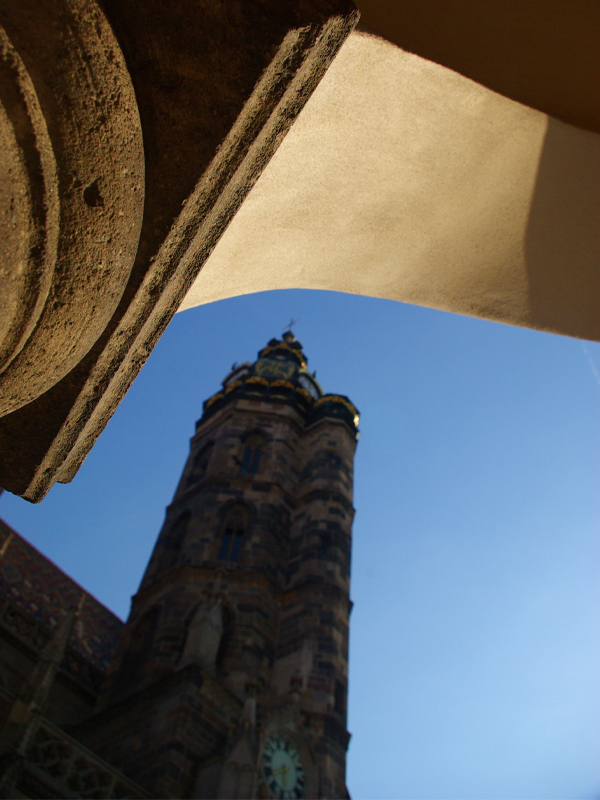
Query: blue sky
<point>475,636</point>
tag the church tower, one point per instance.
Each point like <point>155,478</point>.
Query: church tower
<point>231,675</point>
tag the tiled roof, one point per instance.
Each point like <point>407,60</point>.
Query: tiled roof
<point>40,588</point>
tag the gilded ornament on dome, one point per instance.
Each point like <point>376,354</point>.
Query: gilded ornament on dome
<point>279,384</point>
<point>275,368</point>
<point>255,379</point>
<point>297,353</point>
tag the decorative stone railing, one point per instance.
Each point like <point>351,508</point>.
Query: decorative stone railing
<point>58,766</point>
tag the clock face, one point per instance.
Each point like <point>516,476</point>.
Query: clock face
<point>274,368</point>
<point>283,768</point>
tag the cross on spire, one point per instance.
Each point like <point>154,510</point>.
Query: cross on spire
<point>292,322</point>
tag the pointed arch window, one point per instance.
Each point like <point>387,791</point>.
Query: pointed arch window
<point>254,445</point>
<point>234,529</point>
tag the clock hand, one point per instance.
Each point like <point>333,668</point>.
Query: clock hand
<point>283,770</point>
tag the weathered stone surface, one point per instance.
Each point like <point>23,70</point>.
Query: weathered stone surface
<point>72,189</point>
<point>217,86</point>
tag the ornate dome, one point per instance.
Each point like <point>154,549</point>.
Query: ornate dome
<point>280,372</point>
<point>281,360</point>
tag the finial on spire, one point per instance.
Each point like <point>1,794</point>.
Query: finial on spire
<point>288,332</point>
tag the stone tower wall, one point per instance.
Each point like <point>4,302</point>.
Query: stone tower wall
<point>246,592</point>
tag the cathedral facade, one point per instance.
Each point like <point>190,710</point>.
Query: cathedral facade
<point>230,677</point>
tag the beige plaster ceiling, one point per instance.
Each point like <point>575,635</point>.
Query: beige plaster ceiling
<point>406,180</point>
<point>543,53</point>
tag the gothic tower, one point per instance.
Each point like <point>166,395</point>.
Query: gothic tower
<point>230,678</point>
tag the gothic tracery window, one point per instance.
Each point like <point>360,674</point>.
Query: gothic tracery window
<point>234,528</point>
<point>253,449</point>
